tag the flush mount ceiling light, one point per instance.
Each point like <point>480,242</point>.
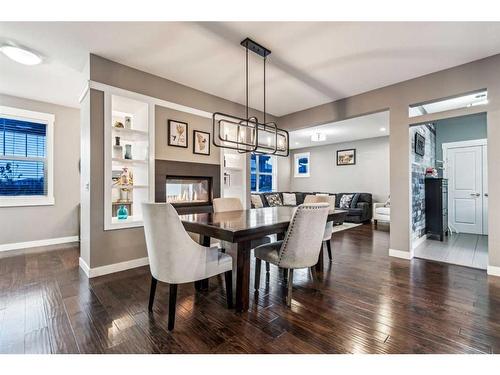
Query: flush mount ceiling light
<point>21,55</point>
<point>318,137</point>
<point>249,134</point>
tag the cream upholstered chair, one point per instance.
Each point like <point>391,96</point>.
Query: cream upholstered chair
<point>175,258</point>
<point>301,246</point>
<point>327,237</point>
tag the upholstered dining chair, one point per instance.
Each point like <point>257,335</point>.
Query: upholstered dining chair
<point>175,258</point>
<point>234,204</point>
<point>301,246</point>
<point>327,237</point>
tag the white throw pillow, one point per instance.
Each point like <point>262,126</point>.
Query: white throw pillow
<point>256,201</point>
<point>345,201</point>
<point>289,199</point>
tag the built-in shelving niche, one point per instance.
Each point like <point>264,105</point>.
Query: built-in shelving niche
<point>137,119</point>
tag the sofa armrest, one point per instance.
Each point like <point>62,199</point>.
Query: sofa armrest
<point>377,205</point>
<point>367,209</point>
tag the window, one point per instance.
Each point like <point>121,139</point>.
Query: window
<point>25,157</point>
<point>262,173</point>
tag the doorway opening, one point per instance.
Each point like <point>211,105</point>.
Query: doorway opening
<point>449,190</point>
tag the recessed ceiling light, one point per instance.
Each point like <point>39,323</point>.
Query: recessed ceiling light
<point>318,137</point>
<point>21,55</point>
<point>382,129</point>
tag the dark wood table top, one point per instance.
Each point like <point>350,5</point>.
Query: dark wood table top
<point>238,226</point>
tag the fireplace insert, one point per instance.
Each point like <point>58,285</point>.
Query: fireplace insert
<point>188,191</point>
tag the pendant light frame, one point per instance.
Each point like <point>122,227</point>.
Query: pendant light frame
<point>250,125</point>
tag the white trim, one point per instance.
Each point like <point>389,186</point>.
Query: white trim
<point>84,92</point>
<point>419,241</point>
<point>48,119</point>
<point>149,99</point>
<point>84,266</point>
<point>112,268</point>
<point>38,243</point>
<point>493,270</point>
<point>401,254</point>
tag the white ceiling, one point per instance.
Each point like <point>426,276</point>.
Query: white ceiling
<point>310,64</point>
<point>363,127</point>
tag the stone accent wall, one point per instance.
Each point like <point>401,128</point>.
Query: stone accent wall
<point>418,167</point>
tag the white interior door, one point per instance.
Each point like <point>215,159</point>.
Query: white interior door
<point>465,175</point>
<point>485,189</point>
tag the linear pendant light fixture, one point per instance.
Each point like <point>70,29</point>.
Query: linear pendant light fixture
<point>249,134</point>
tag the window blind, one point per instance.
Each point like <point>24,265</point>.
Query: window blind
<point>22,158</point>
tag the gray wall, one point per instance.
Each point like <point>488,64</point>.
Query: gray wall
<point>396,98</point>
<point>370,174</point>
<point>21,224</point>
<point>465,128</point>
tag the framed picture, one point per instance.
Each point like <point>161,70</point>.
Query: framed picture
<point>419,144</point>
<point>177,133</point>
<point>302,164</point>
<point>346,157</point>
<point>201,142</point>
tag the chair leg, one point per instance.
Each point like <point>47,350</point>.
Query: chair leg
<point>229,288</point>
<point>171,306</point>
<point>258,264</point>
<point>289,288</point>
<point>375,223</point>
<point>152,293</point>
<point>329,248</point>
<point>268,267</point>
<point>285,275</point>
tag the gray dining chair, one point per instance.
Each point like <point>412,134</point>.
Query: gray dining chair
<point>301,246</point>
<point>174,257</point>
<point>327,236</point>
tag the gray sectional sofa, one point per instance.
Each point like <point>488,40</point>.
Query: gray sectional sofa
<point>359,210</point>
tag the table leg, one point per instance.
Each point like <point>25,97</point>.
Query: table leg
<point>204,241</point>
<point>320,264</point>
<point>243,276</point>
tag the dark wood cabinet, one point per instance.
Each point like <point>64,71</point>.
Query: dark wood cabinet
<point>436,206</point>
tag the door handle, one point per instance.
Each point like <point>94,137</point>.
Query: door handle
<point>485,194</point>
<point>475,194</point>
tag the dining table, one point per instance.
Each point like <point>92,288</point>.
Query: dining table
<point>240,228</point>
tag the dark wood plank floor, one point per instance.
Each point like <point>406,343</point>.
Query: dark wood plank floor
<point>366,302</point>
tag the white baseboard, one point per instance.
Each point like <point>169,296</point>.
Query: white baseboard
<point>38,243</point>
<point>418,241</point>
<point>112,268</point>
<point>401,254</point>
<point>493,270</point>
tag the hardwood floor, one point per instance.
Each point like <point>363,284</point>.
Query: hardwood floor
<point>366,302</point>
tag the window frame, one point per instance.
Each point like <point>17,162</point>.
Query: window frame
<point>257,173</point>
<point>48,120</point>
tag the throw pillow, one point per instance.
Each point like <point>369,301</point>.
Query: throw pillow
<point>274,200</point>
<point>289,199</point>
<point>256,201</point>
<point>345,201</point>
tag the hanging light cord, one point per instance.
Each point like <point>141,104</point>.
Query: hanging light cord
<point>265,58</point>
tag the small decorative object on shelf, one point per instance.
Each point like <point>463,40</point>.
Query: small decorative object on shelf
<point>128,122</point>
<point>118,125</point>
<point>122,213</point>
<point>431,172</point>
<point>125,182</point>
<point>128,152</point>
<point>117,149</point>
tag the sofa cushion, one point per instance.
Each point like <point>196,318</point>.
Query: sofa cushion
<point>346,200</point>
<point>256,201</point>
<point>383,210</point>
<point>289,199</point>
<point>274,200</point>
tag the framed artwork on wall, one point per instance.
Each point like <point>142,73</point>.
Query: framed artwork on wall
<point>346,157</point>
<point>177,133</point>
<point>302,165</point>
<point>201,142</point>
<point>419,144</point>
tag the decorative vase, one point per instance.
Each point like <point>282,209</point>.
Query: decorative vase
<point>128,152</point>
<point>124,195</point>
<point>128,122</point>
<point>122,213</point>
<point>117,149</point>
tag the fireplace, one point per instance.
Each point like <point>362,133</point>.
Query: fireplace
<point>188,191</point>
